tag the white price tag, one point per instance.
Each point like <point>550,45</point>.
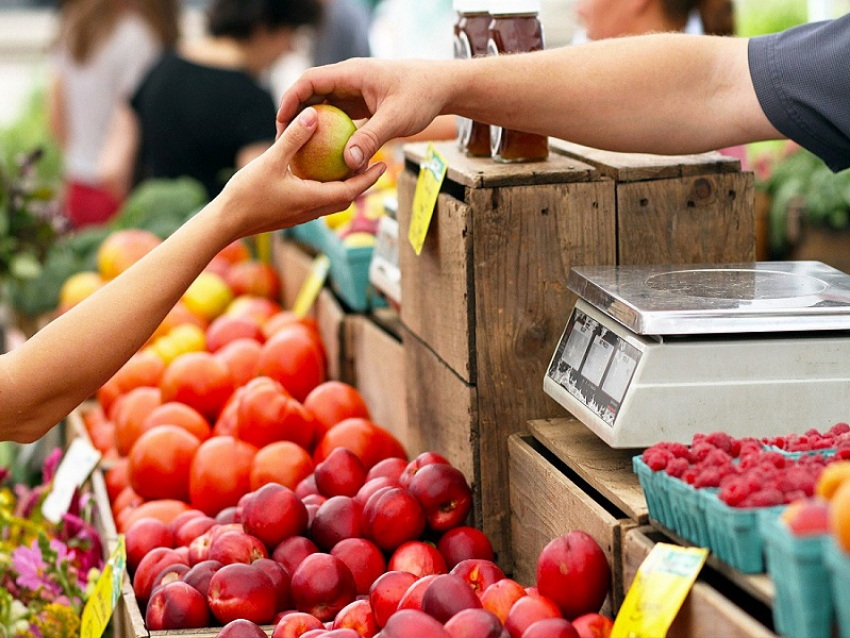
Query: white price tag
<point>79,461</point>
<point>384,272</point>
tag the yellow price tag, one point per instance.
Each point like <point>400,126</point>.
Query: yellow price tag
<point>432,172</point>
<point>101,603</point>
<point>660,587</point>
<point>312,286</point>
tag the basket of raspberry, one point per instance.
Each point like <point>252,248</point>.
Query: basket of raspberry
<point>714,492</point>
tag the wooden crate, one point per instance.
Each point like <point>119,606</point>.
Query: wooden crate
<point>549,498</point>
<point>714,607</point>
<point>375,352</point>
<point>487,296</point>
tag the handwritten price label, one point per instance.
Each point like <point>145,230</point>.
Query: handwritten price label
<point>660,587</point>
<point>432,172</point>
<point>107,590</point>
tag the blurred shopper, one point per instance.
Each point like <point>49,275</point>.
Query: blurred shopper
<point>614,18</point>
<point>663,93</point>
<point>202,111</point>
<point>104,47</point>
<point>343,32</point>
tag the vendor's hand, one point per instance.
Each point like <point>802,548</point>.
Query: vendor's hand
<point>267,196</point>
<point>399,98</point>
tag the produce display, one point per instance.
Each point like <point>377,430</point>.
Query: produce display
<point>252,490</point>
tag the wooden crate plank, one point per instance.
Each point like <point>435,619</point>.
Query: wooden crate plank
<point>546,504</point>
<point>379,370</point>
<point>526,239</point>
<point>293,265</point>
<point>478,172</point>
<point>442,412</point>
<point>436,286</point>
<point>703,219</point>
<point>634,167</point>
<point>608,470</point>
<point>706,612</point>
<point>331,319</point>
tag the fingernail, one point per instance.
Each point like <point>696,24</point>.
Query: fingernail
<point>356,155</point>
<point>307,117</point>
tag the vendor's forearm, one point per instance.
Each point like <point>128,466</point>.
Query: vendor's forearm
<point>617,94</point>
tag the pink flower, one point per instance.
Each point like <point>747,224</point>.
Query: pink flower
<point>50,464</point>
<point>31,569</point>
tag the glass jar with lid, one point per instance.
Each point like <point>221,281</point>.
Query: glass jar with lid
<point>472,34</point>
<point>515,28</point>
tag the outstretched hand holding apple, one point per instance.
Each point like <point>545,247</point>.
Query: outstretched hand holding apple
<point>399,98</point>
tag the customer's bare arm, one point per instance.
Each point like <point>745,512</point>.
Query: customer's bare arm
<point>42,380</point>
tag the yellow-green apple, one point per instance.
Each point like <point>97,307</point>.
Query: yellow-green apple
<point>321,157</point>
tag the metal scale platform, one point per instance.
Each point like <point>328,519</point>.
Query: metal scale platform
<point>654,353</point>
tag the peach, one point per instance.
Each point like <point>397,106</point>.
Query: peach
<point>551,628</point>
<point>373,485</point>
<point>593,626</point>
<point>478,573</point>
<point>464,542</point>
<point>359,617</point>
<point>418,558</point>
<point>200,575</point>
<point>391,517</point>
<point>410,623</point>
<point>412,598</point>
<point>426,458</point>
<point>242,591</point>
<point>322,585</point>
<point>501,596</point>
<point>295,625</point>
<point>386,593</point>
<point>150,567</point>
<point>191,529</point>
<point>336,519</point>
<point>447,595</point>
<point>444,494</point>
<point>241,628</point>
<point>476,623</point>
<point>572,570</point>
<point>176,605</point>
<point>281,580</point>
<point>274,513</point>
<point>292,551</point>
<point>363,558</point>
<point>391,468</point>
<point>527,611</point>
<point>237,547</point>
<point>342,473</point>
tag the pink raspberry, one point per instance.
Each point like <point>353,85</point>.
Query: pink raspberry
<point>677,466</point>
<point>656,459</point>
<point>690,475</point>
<point>721,440</point>
<point>708,477</point>
<point>766,497</point>
<point>839,428</point>
<point>733,492</point>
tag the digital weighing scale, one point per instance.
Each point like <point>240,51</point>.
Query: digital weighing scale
<point>659,353</point>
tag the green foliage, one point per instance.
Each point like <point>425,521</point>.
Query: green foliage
<point>158,205</point>
<point>30,131</point>
<point>804,178</point>
<point>756,17</point>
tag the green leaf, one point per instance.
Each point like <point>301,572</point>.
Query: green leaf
<point>25,266</point>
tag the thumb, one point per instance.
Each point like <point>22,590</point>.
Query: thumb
<point>297,133</point>
<point>367,140</point>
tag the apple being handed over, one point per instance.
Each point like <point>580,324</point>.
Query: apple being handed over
<point>321,157</point>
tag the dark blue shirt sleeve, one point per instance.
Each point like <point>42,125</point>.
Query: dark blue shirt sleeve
<point>802,79</point>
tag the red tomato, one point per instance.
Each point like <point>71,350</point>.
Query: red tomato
<point>267,413</point>
<point>235,252</point>
<point>227,328</point>
<point>181,415</point>
<point>116,478</point>
<point>332,402</point>
<point>282,462</point>
<point>127,499</point>
<point>254,278</point>
<point>226,424</point>
<point>284,318</point>
<point>242,357</point>
<point>370,442</point>
<point>142,369</point>
<point>160,462</point>
<point>134,408</point>
<point>165,510</point>
<point>200,381</point>
<point>295,358</point>
<point>220,474</point>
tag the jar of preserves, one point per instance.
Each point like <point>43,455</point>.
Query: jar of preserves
<point>472,34</point>
<point>515,28</point>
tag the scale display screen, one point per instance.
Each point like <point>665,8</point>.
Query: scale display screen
<point>595,365</point>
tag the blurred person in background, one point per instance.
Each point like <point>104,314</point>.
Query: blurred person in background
<point>203,110</point>
<point>342,33</point>
<point>103,49</point>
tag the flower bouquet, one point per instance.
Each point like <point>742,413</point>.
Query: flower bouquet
<point>47,570</point>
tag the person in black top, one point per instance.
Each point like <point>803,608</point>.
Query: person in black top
<point>201,111</point>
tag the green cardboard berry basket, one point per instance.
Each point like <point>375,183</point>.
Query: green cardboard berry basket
<point>803,605</point>
<point>838,567</point>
